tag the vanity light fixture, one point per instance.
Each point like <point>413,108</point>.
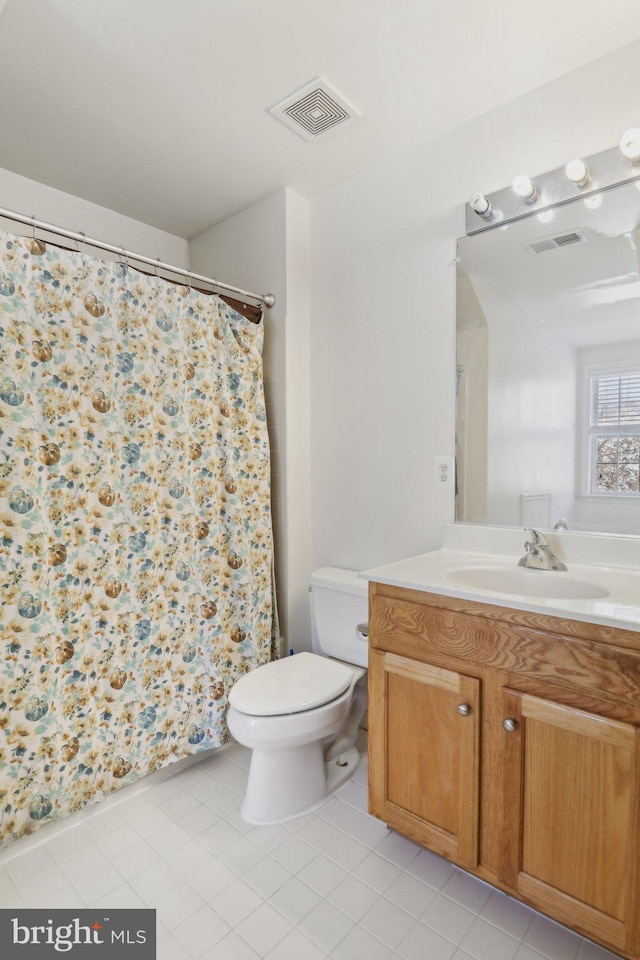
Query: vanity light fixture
<point>480,205</point>
<point>578,172</point>
<point>523,188</point>
<point>630,144</point>
<point>579,178</point>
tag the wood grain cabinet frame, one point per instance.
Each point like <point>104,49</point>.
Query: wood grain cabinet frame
<point>508,742</point>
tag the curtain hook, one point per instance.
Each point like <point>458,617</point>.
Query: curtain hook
<point>33,225</point>
<point>81,250</point>
<point>189,278</point>
<point>123,256</point>
<point>159,261</point>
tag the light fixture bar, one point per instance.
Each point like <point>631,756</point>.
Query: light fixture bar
<point>606,169</point>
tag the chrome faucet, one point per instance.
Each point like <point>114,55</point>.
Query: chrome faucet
<point>539,555</point>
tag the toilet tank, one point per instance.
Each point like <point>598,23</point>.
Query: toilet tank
<point>339,603</point>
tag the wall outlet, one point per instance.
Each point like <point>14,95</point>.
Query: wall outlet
<point>443,473</point>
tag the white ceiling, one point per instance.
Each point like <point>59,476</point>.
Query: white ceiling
<point>158,109</point>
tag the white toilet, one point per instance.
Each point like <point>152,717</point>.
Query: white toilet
<point>300,715</point>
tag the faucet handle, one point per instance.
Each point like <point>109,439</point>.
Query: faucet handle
<point>537,539</point>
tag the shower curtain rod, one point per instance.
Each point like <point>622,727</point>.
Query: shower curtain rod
<point>268,299</point>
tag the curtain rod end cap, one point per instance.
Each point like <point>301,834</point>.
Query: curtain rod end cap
<point>269,299</point>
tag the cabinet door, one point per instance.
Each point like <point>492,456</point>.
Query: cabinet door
<point>571,816</point>
<point>423,753</point>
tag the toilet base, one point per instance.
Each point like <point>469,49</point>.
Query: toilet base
<point>299,780</point>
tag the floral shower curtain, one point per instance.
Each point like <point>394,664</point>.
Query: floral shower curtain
<point>135,531</point>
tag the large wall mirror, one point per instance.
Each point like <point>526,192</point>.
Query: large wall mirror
<point>548,368</point>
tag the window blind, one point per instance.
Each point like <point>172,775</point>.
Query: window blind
<point>615,400</point>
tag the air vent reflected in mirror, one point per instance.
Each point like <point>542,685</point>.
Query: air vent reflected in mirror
<point>546,244</point>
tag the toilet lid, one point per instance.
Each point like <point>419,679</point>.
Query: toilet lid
<point>290,685</point>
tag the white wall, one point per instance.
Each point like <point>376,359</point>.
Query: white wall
<point>297,415</point>
<point>64,210</point>
<point>383,308</point>
<point>265,249</point>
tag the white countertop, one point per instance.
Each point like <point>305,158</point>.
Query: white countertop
<point>440,571</point>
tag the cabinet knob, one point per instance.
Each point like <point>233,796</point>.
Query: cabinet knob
<point>464,709</point>
<point>510,724</point>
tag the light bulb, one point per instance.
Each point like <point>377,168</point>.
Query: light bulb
<point>578,172</point>
<point>630,144</point>
<point>481,206</point>
<point>523,187</point>
<point>593,202</point>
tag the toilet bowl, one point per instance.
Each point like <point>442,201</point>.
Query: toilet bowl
<point>300,715</point>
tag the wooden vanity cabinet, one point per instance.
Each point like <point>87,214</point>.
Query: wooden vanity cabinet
<point>509,743</point>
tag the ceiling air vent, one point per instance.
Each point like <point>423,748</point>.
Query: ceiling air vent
<point>534,247</point>
<point>314,111</point>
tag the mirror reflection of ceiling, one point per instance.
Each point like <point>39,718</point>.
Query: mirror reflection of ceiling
<point>589,290</point>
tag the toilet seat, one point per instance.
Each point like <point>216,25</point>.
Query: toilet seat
<point>291,685</point>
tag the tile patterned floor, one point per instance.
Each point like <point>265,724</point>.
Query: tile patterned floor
<point>334,884</point>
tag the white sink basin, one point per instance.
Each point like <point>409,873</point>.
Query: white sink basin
<point>526,583</point>
<point>480,563</point>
